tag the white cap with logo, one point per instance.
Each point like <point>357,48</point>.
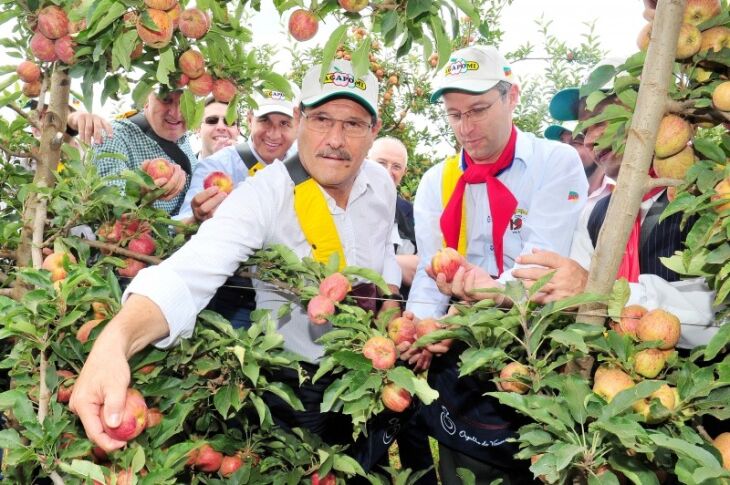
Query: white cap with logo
<point>474,69</point>
<point>270,101</point>
<point>340,81</point>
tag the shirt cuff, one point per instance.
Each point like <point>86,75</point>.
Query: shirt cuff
<point>168,291</point>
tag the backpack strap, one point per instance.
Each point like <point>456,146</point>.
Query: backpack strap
<point>249,159</point>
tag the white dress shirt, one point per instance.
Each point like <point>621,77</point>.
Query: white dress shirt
<point>549,183</point>
<point>258,213</point>
<point>689,299</point>
<point>225,160</point>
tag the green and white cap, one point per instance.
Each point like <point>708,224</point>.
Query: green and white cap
<point>474,69</point>
<point>271,101</point>
<point>340,81</point>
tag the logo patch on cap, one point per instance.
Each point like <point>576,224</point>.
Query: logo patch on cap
<point>460,66</point>
<point>573,196</point>
<point>268,93</point>
<point>507,71</point>
<point>345,79</point>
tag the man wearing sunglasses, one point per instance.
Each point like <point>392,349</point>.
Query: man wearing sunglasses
<point>215,132</point>
<point>159,131</point>
<point>326,199</point>
<point>516,192</point>
<point>272,129</point>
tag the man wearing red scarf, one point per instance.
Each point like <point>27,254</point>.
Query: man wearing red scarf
<point>504,194</point>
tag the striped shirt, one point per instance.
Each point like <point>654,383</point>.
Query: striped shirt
<point>136,147</point>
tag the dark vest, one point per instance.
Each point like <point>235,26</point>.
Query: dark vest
<point>657,240</point>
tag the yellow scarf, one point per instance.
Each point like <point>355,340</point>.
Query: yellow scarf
<point>314,215</point>
<point>252,171</point>
<point>452,172</point>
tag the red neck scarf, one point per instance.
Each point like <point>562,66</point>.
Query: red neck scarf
<point>630,267</point>
<point>502,203</point>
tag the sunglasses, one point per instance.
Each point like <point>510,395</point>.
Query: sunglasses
<point>213,120</point>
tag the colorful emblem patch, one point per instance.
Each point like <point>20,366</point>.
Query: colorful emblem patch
<point>573,196</point>
<point>459,66</point>
<point>268,93</point>
<point>344,79</point>
<point>507,71</point>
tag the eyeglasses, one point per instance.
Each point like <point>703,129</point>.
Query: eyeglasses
<point>474,115</point>
<point>213,120</point>
<point>323,124</point>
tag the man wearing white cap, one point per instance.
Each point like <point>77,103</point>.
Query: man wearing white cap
<point>350,209</point>
<point>272,132</point>
<point>518,193</point>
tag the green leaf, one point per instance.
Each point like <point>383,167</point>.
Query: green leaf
<point>597,79</point>
<point>328,52</point>
<point>443,44</point>
<point>624,399</point>
<point>83,468</point>
<point>473,359</point>
<point>166,65</point>
<point>575,391</point>
<point>108,12</point>
<point>709,149</point>
<point>405,378</point>
<point>620,294</point>
<point>331,395</point>
<point>467,476</point>
<point>564,453</point>
<point>9,438</point>
<point>414,8</point>
<point>223,398</point>
<point>370,275</point>
<point>346,464</point>
<point>683,448</point>
<point>360,58</point>
<point>718,342</point>
<point>569,339</point>
<point>286,394</point>
<point>352,360</point>
<point>122,50</point>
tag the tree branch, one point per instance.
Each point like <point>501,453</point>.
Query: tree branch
<point>23,114</point>
<point>121,251</point>
<point>9,292</point>
<point>39,224</point>
<point>626,199</point>
<point>661,182</point>
<point>10,153</point>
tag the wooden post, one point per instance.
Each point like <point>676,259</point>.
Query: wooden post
<point>633,177</point>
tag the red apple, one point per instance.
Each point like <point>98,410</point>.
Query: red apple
<point>54,263</point>
<point>328,479</point>
<point>303,24</point>
<point>144,244</point>
<point>131,268</point>
<point>447,261</point>
<point>381,351</point>
<point>219,179</point>
<point>426,326</point>
<point>395,398</point>
<point>134,418</point>
<point>207,459</point>
<point>335,287</point>
<point>159,168</point>
<point>229,465</point>
<point>401,330</point>
<point>64,389</point>
<point>319,308</point>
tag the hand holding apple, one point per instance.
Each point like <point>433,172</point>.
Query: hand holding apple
<point>219,179</point>
<point>170,177</point>
<point>206,202</point>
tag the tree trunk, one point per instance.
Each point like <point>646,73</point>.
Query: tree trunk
<point>633,177</point>
<point>53,126</point>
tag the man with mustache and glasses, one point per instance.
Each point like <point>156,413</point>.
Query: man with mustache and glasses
<point>272,132</point>
<point>159,131</point>
<point>324,200</point>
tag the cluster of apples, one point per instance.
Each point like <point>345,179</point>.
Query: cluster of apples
<point>643,326</point>
<point>207,459</point>
<point>52,39</point>
<point>333,289</point>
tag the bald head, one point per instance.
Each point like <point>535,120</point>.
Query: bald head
<point>392,154</point>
